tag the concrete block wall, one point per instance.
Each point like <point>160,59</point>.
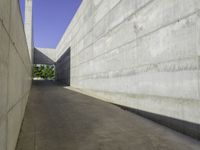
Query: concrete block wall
<point>15,73</point>
<point>142,54</point>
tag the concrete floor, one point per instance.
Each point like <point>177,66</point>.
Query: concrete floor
<point>60,119</point>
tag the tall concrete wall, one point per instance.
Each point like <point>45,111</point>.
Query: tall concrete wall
<point>143,54</point>
<point>28,25</point>
<point>15,73</point>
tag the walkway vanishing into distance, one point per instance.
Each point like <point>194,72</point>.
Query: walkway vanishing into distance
<point>60,119</point>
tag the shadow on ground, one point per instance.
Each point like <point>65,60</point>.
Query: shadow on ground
<point>60,119</point>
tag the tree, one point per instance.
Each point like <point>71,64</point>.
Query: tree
<point>46,72</point>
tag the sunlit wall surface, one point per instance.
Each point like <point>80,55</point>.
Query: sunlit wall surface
<point>143,54</point>
<point>15,73</point>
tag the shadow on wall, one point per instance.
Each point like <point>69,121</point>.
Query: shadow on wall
<point>40,58</point>
<point>63,68</point>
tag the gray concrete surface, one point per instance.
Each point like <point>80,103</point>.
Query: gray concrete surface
<point>61,119</point>
<point>142,54</point>
<point>28,27</point>
<point>63,68</point>
<point>15,73</point>
<point>45,56</point>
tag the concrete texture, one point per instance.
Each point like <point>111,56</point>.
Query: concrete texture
<point>28,25</point>
<point>63,68</point>
<point>142,54</point>
<point>15,73</point>
<point>62,119</point>
<point>45,56</point>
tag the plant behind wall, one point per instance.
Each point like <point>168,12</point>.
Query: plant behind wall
<point>43,72</point>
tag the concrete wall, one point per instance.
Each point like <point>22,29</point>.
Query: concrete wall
<point>28,25</point>
<point>44,56</point>
<point>63,68</point>
<point>143,54</point>
<point>15,73</point>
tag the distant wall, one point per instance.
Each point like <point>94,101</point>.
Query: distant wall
<point>143,54</point>
<point>15,73</point>
<point>44,56</point>
<point>63,68</point>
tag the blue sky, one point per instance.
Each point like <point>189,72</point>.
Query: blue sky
<point>50,20</point>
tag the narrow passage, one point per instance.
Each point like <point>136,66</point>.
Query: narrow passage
<point>60,119</point>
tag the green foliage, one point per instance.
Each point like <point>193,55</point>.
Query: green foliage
<point>44,71</point>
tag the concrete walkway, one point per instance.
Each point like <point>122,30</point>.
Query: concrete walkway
<point>60,119</point>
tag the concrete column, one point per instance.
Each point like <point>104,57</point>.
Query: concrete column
<point>29,27</point>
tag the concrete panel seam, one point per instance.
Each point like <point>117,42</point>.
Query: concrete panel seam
<point>94,25</point>
<point>99,19</point>
<point>148,68</point>
<point>145,35</point>
<point>94,93</point>
<point>20,57</point>
<point>19,100</point>
<point>10,38</point>
<point>139,9</point>
<point>103,34</point>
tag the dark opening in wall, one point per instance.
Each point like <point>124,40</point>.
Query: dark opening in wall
<point>63,68</point>
<point>43,72</point>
